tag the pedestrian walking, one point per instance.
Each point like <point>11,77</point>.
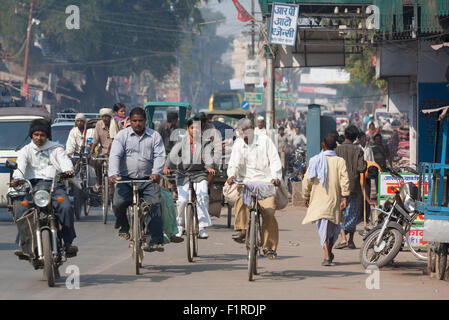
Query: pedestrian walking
<point>355,164</point>
<point>325,183</point>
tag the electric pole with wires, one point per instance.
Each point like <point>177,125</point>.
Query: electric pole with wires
<point>27,53</point>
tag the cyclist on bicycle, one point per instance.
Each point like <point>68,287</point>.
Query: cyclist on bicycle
<point>105,131</point>
<point>188,155</point>
<point>75,143</point>
<point>254,158</point>
<point>138,153</point>
<point>77,137</point>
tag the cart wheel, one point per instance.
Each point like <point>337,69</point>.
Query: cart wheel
<point>441,261</point>
<point>431,263</point>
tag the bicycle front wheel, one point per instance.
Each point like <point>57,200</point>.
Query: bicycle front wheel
<point>137,239</point>
<point>195,234</point>
<point>105,196</point>
<point>252,232</point>
<point>190,232</point>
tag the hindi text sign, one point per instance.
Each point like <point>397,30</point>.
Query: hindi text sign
<point>284,24</point>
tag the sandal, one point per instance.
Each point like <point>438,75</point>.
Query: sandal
<point>341,245</point>
<point>270,254</point>
<point>124,235</point>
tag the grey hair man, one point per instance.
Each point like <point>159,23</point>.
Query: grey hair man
<point>255,159</point>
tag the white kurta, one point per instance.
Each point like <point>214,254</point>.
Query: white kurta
<point>76,138</point>
<point>256,162</point>
<point>43,162</point>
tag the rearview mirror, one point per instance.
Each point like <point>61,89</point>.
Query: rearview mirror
<point>11,164</point>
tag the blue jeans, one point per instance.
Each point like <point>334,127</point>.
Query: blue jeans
<point>63,211</point>
<point>151,193</point>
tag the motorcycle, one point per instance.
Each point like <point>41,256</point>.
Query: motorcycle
<point>296,168</point>
<point>382,243</point>
<point>40,242</point>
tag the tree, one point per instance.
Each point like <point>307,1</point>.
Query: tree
<point>202,69</point>
<point>116,37</point>
<point>362,70</point>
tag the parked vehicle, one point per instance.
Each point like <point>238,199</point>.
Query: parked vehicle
<point>382,243</point>
<point>14,128</point>
<point>296,168</point>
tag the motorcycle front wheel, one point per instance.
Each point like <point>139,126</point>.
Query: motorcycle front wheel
<point>49,268</point>
<point>393,242</point>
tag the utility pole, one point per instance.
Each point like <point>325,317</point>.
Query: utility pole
<point>270,90</point>
<point>253,30</point>
<point>27,49</point>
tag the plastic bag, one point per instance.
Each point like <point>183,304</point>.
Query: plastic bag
<point>231,193</point>
<point>281,197</point>
<point>168,208</point>
<point>26,225</point>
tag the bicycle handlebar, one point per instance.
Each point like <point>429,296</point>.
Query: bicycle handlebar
<point>133,181</point>
<point>95,159</point>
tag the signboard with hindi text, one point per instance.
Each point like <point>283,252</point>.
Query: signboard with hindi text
<point>284,24</point>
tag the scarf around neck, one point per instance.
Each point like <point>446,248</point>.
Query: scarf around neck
<point>318,166</point>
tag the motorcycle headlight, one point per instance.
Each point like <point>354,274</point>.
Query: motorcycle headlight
<point>410,204</point>
<point>41,198</point>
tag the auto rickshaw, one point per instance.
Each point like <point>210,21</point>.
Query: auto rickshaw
<point>433,199</point>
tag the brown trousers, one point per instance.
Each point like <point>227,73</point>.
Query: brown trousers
<point>270,229</point>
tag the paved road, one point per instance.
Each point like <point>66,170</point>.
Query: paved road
<point>219,273</point>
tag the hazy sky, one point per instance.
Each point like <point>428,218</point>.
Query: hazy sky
<point>232,27</point>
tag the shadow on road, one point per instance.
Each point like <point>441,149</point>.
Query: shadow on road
<point>157,273</point>
<point>7,246</point>
<point>99,218</point>
<point>289,275</point>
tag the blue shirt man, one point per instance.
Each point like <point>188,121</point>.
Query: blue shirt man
<point>138,153</point>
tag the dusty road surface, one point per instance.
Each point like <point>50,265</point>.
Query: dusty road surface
<point>220,271</point>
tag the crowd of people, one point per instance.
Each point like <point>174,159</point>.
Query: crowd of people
<point>336,186</point>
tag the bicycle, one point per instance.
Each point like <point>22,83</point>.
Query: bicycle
<point>82,169</point>
<point>105,192</point>
<point>253,234</point>
<point>192,225</point>
<point>137,223</point>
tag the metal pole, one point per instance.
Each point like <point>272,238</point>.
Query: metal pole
<point>270,91</point>
<point>27,49</point>
<point>253,24</point>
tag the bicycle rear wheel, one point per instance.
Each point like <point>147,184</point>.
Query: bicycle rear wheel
<point>229,214</point>
<point>105,196</point>
<point>86,206</point>
<point>190,232</point>
<point>252,232</point>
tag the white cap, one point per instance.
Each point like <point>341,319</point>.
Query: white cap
<point>260,118</point>
<point>80,116</point>
<point>106,112</point>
